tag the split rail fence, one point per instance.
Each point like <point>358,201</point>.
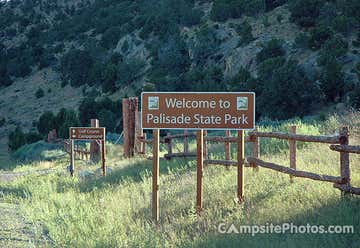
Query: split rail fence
<point>338,143</point>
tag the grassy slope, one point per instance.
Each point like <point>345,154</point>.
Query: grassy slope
<point>116,211</point>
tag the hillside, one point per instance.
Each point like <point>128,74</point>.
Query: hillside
<point>298,56</point>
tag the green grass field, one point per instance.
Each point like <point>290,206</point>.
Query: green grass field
<point>91,211</point>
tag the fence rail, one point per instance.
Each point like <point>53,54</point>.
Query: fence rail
<point>338,143</point>
<point>82,153</point>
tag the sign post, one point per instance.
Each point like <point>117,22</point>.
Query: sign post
<point>90,134</point>
<point>198,111</point>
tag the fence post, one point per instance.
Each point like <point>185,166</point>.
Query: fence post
<point>227,147</point>
<point>255,149</point>
<point>344,156</point>
<point>205,147</point>
<point>169,145</point>
<point>103,156</point>
<point>72,157</point>
<point>155,174</point>
<point>186,142</point>
<point>125,109</point>
<point>94,146</point>
<point>199,170</point>
<point>144,145</point>
<point>138,132</point>
<point>292,148</point>
<point>240,166</point>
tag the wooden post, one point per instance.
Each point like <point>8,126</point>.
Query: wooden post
<point>103,156</point>
<point>155,174</point>
<point>94,146</point>
<point>186,142</point>
<point>292,147</point>
<point>138,132</point>
<point>144,144</point>
<point>125,109</point>
<point>72,157</point>
<point>130,107</point>
<point>344,156</point>
<point>227,147</point>
<point>199,170</point>
<point>169,146</point>
<point>240,165</point>
<point>205,147</point>
<point>255,149</point>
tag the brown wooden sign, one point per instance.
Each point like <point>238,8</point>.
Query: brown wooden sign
<point>198,110</point>
<point>87,133</point>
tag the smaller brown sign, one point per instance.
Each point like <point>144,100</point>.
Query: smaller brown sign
<point>87,133</point>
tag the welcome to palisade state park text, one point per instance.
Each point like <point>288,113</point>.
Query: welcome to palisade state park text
<point>215,118</point>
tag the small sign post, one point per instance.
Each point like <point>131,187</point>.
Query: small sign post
<point>198,111</point>
<point>91,134</point>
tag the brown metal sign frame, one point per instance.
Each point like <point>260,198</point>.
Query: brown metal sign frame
<point>216,111</point>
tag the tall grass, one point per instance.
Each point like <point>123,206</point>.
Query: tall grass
<point>116,211</point>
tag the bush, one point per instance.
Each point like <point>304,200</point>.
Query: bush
<point>33,137</point>
<point>245,32</point>
<point>242,81</point>
<point>332,81</point>
<point>39,93</point>
<point>111,37</point>
<point>76,66</point>
<point>16,139</point>
<point>288,92</point>
<point>305,12</point>
<point>46,123</point>
<point>271,49</point>
<point>302,40</point>
<point>319,35</point>
<point>2,121</point>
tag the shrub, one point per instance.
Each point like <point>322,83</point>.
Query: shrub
<point>33,137</point>
<point>242,81</point>
<point>46,123</point>
<point>16,139</point>
<point>2,121</point>
<point>302,40</point>
<point>319,35</point>
<point>76,66</point>
<point>111,37</point>
<point>245,32</point>
<point>271,49</point>
<point>332,81</point>
<point>288,92</point>
<point>39,93</point>
<point>305,12</point>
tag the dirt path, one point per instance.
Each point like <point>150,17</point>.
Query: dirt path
<point>14,230</point>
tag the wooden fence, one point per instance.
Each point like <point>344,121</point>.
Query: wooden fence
<point>338,143</point>
<point>81,152</point>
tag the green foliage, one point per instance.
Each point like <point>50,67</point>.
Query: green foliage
<point>17,139</point>
<point>107,111</point>
<point>76,66</point>
<point>2,121</point>
<point>222,10</point>
<point>287,92</point>
<point>64,120</point>
<point>332,81</point>
<point>33,137</point>
<point>319,35</point>
<point>46,123</point>
<point>271,49</point>
<point>39,93</point>
<point>302,40</point>
<point>242,81</point>
<point>244,30</point>
<point>111,37</point>
<point>305,12</point>
<point>332,49</point>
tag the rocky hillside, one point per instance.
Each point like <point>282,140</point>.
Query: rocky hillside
<point>298,56</point>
